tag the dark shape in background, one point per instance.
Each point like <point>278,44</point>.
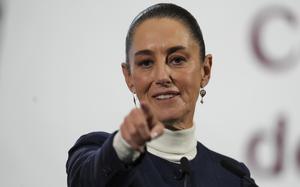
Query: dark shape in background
<point>278,142</point>
<point>261,20</point>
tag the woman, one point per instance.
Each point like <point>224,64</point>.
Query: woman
<point>166,67</point>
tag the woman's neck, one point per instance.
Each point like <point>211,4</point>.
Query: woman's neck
<point>175,125</point>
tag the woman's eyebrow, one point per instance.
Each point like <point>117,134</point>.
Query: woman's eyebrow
<point>144,52</point>
<point>169,50</point>
<point>175,48</point>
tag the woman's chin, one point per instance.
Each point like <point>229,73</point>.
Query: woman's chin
<point>167,115</point>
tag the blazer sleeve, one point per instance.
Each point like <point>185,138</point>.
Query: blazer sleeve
<point>93,162</point>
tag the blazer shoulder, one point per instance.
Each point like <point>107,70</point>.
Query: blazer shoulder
<point>90,139</point>
<point>219,158</point>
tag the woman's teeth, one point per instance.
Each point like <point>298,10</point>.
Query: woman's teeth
<point>167,96</point>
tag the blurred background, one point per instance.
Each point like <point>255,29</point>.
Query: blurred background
<point>60,77</point>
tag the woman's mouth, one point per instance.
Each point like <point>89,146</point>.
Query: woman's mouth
<point>166,95</point>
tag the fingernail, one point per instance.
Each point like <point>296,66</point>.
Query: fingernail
<point>142,149</point>
<point>154,135</point>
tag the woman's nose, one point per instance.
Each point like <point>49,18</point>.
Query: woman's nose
<point>162,75</point>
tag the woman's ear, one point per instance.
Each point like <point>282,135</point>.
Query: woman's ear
<point>206,70</point>
<point>127,76</point>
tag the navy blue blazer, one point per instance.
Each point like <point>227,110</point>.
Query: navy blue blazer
<point>93,162</point>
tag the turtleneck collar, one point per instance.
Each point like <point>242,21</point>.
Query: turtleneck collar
<point>173,145</point>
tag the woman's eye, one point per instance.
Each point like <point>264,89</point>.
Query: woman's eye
<point>177,60</point>
<point>145,63</point>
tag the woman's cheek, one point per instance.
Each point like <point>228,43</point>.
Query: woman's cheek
<point>141,85</point>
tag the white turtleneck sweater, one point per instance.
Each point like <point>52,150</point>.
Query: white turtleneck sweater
<point>171,146</point>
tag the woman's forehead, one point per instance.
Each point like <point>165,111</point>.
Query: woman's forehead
<point>161,33</point>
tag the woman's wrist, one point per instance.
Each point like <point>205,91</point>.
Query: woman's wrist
<point>124,151</point>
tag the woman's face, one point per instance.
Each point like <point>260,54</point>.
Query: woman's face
<point>165,70</point>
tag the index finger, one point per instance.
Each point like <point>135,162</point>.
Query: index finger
<point>149,115</point>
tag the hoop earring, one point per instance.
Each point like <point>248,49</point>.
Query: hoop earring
<point>134,99</point>
<point>202,94</point>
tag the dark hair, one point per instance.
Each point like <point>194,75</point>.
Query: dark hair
<point>167,10</point>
